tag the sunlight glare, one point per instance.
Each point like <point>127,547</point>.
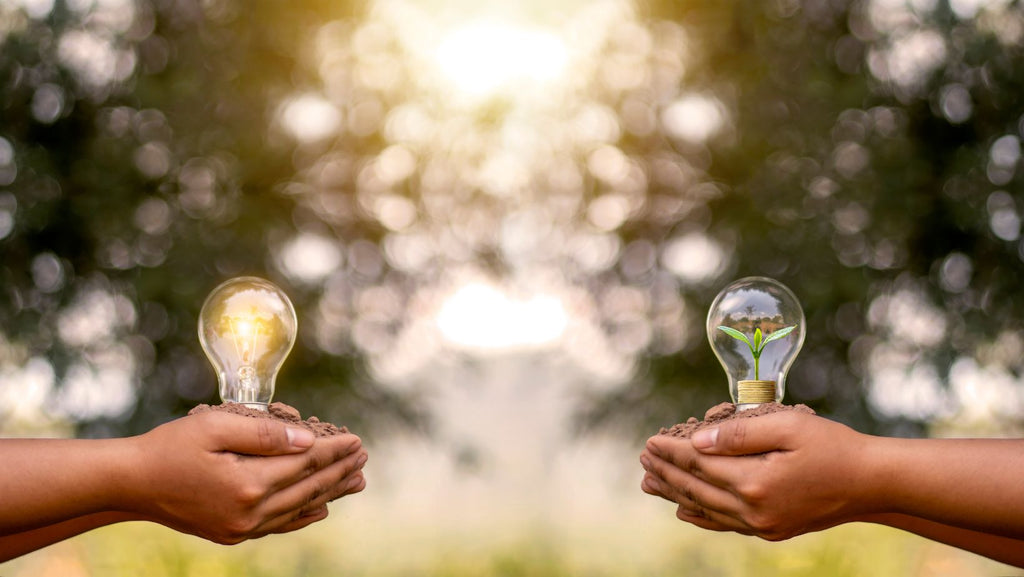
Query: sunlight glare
<point>482,58</point>
<point>310,117</point>
<point>694,118</point>
<point>310,257</point>
<point>482,317</point>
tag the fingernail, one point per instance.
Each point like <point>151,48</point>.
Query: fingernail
<point>353,482</point>
<point>645,462</point>
<point>361,460</point>
<point>300,438</point>
<point>705,439</point>
<point>652,484</point>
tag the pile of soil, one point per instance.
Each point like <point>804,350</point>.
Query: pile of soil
<point>725,412</point>
<point>277,411</point>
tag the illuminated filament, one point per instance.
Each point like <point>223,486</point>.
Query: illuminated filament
<point>245,334</point>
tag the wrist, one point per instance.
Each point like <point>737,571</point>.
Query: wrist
<point>876,478</point>
<point>129,478</point>
<point>95,475</point>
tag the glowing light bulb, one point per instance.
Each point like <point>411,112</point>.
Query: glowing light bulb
<point>756,328</point>
<point>247,327</point>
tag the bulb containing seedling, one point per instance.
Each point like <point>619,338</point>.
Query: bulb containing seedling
<point>247,327</point>
<point>756,327</point>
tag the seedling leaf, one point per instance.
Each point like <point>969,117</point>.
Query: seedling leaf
<point>778,335</point>
<point>736,335</point>
<point>760,341</point>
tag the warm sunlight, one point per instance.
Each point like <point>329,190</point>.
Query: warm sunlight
<point>483,57</point>
<point>482,317</point>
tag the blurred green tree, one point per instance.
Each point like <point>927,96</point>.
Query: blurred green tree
<point>136,176</point>
<point>872,167</point>
<point>864,153</point>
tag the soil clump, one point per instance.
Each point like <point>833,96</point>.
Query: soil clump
<point>725,412</point>
<point>277,411</point>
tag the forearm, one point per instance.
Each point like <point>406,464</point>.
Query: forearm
<point>49,481</point>
<point>18,544</point>
<point>973,484</point>
<point>1002,549</point>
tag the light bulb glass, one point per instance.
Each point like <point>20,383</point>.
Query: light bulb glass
<point>756,328</point>
<point>247,327</point>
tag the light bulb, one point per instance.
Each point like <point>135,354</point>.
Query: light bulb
<point>756,328</point>
<point>247,327</point>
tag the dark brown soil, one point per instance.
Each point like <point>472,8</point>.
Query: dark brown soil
<point>278,411</point>
<point>727,411</point>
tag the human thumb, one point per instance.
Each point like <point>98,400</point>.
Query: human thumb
<point>743,436</point>
<point>254,436</point>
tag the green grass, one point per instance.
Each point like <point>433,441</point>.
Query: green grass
<point>851,551</point>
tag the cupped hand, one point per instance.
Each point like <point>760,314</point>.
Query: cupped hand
<point>229,478</point>
<point>774,476</point>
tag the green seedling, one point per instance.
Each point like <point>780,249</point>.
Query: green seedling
<point>759,343</point>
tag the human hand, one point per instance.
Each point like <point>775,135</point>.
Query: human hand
<point>229,478</point>
<point>774,476</point>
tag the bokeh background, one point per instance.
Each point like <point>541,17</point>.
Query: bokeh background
<point>502,224</point>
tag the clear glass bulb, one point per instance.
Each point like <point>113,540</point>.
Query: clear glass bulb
<point>247,327</point>
<point>756,328</point>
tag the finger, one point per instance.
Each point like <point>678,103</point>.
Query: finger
<point>679,452</point>
<point>652,486</point>
<point>296,518</point>
<point>290,522</point>
<point>320,487</point>
<point>749,436</point>
<point>690,491</point>
<point>650,483</point>
<point>711,521</point>
<point>721,471</point>
<point>282,471</point>
<point>691,511</point>
<point>249,436</point>
<point>354,483</point>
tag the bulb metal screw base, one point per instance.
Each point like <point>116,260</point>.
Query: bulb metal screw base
<point>752,393</point>
<point>254,405</point>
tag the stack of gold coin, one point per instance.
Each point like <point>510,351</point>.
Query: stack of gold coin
<point>755,392</point>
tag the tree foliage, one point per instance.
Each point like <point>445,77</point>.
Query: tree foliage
<point>867,158</point>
